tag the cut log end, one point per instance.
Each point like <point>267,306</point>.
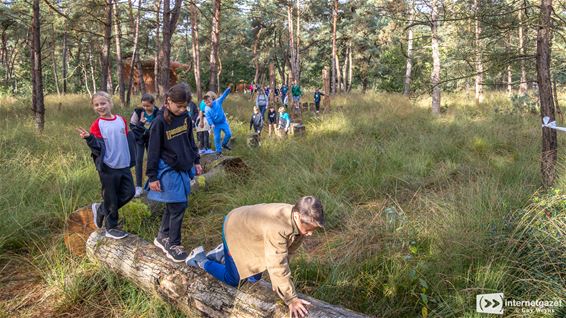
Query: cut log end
<point>80,225</point>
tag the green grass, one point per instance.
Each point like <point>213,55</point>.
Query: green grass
<point>462,185</point>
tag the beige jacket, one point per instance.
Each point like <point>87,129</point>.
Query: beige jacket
<point>262,237</point>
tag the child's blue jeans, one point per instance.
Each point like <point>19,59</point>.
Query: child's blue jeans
<point>227,135</point>
<point>227,272</point>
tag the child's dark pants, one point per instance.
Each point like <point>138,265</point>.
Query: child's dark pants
<point>140,149</point>
<point>117,190</point>
<point>172,221</point>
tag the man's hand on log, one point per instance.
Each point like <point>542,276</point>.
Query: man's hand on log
<point>155,186</point>
<point>199,169</point>
<point>297,308</point>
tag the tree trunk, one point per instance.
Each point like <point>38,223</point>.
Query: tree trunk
<point>135,55</point>
<point>54,61</point>
<point>91,63</point>
<point>195,47</point>
<point>326,88</point>
<point>170,17</point>
<point>409,67</point>
<point>556,103</point>
<point>215,41</point>
<point>37,82</point>
<point>120,67</point>
<point>64,75</point>
<point>549,142</point>
<point>219,71</point>
<point>105,62</point>
<point>344,71</point>
<point>509,80</point>
<point>271,83</point>
<point>350,67</point>
<point>293,48</point>
<point>191,290</point>
<point>156,72</point>
<point>254,53</point>
<point>478,53</point>
<point>298,44</point>
<point>334,50</point>
<point>435,77</point>
<point>523,86</point>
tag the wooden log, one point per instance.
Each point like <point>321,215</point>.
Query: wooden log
<point>298,129</point>
<point>191,290</point>
<point>254,140</point>
<point>80,223</point>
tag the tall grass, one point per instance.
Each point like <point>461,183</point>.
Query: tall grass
<point>457,186</point>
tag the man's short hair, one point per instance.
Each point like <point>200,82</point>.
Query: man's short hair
<point>310,211</point>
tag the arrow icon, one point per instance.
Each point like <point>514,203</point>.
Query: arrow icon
<point>496,303</point>
<point>488,303</point>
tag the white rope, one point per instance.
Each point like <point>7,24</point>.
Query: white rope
<point>551,124</point>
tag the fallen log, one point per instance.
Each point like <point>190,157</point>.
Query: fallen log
<point>191,290</point>
<point>80,223</point>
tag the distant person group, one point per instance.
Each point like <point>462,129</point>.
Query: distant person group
<point>255,238</point>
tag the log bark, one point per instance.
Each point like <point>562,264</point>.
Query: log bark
<point>191,290</point>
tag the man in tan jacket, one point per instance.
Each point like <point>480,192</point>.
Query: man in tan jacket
<point>262,237</point>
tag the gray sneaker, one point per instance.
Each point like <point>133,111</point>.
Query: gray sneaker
<point>197,258</point>
<point>217,254</point>
<point>116,234</point>
<point>97,216</point>
<point>176,253</point>
<point>161,243</point>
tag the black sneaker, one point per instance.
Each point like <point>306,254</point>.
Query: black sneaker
<point>97,216</point>
<point>161,243</point>
<point>226,147</point>
<point>116,234</point>
<point>177,253</point>
<point>197,258</point>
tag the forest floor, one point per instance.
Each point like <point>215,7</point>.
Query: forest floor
<point>424,212</point>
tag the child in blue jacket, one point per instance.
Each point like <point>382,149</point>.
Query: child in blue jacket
<point>217,119</point>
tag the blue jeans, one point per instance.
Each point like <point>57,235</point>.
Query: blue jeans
<point>227,135</point>
<point>227,272</point>
<point>262,110</point>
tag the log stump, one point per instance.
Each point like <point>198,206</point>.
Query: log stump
<point>253,140</point>
<point>298,129</point>
<point>191,290</point>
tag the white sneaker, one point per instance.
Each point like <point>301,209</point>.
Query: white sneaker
<point>139,192</point>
